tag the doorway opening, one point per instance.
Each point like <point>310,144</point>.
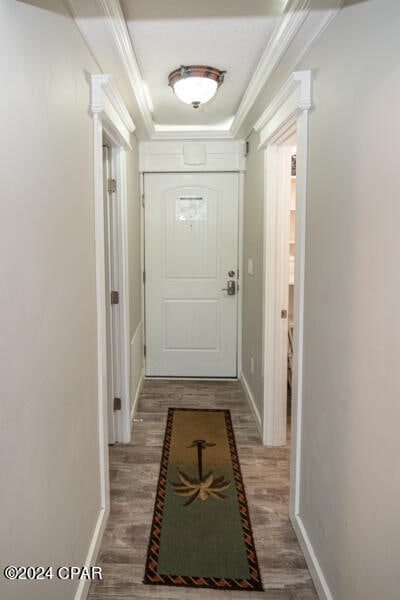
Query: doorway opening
<point>283,125</point>
<point>113,125</point>
<point>280,314</point>
<point>110,119</point>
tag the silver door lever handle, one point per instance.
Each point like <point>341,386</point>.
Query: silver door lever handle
<point>231,288</point>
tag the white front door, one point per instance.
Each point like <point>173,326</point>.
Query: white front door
<point>191,258</point>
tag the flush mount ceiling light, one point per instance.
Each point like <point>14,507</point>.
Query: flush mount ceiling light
<point>195,84</point>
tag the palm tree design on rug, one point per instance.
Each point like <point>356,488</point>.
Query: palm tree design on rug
<point>202,488</point>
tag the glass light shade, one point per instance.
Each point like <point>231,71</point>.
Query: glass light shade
<point>195,89</point>
<point>195,84</point>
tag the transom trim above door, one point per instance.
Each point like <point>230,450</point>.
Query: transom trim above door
<point>185,156</point>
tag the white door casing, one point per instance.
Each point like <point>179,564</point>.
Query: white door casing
<point>291,106</point>
<point>191,245</point>
<point>111,117</point>
<point>286,114</point>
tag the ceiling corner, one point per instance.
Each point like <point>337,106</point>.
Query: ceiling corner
<point>106,34</point>
<point>108,39</point>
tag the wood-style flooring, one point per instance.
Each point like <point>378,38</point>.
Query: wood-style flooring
<point>134,470</point>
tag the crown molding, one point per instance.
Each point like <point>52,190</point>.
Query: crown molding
<point>109,14</point>
<point>281,39</point>
<point>112,10</point>
<point>106,30</point>
<point>189,134</point>
<point>319,22</point>
<point>222,126</point>
<point>179,132</point>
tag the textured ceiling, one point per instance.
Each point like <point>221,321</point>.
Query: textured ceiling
<point>228,34</point>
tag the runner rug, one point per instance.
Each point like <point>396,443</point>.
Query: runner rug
<point>201,534</point>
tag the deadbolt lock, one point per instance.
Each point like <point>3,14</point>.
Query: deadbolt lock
<point>231,273</point>
<point>231,288</point>
<point>283,314</point>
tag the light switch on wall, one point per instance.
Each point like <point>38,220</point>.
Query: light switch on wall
<point>250,266</point>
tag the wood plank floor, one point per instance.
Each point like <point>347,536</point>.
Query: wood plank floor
<point>134,472</point>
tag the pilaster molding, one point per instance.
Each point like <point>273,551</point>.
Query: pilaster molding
<point>97,93</point>
<point>304,78</point>
<point>106,101</point>
<point>294,95</point>
<point>104,88</point>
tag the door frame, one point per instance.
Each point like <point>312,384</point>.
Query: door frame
<point>111,274</point>
<point>197,156</point>
<point>120,282</point>
<point>239,290</point>
<point>110,118</point>
<point>276,288</point>
<point>287,113</point>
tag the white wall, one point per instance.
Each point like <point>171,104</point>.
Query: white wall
<point>350,487</point>
<point>350,494</point>
<point>49,466</point>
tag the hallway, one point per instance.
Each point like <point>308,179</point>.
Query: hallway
<point>134,471</point>
<point>78,73</point>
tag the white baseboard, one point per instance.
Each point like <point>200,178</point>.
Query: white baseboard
<point>136,398</point>
<point>83,587</point>
<point>251,401</point>
<point>314,567</point>
<point>137,366</point>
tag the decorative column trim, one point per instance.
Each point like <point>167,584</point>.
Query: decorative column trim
<point>106,101</point>
<point>286,115</point>
<point>294,95</point>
